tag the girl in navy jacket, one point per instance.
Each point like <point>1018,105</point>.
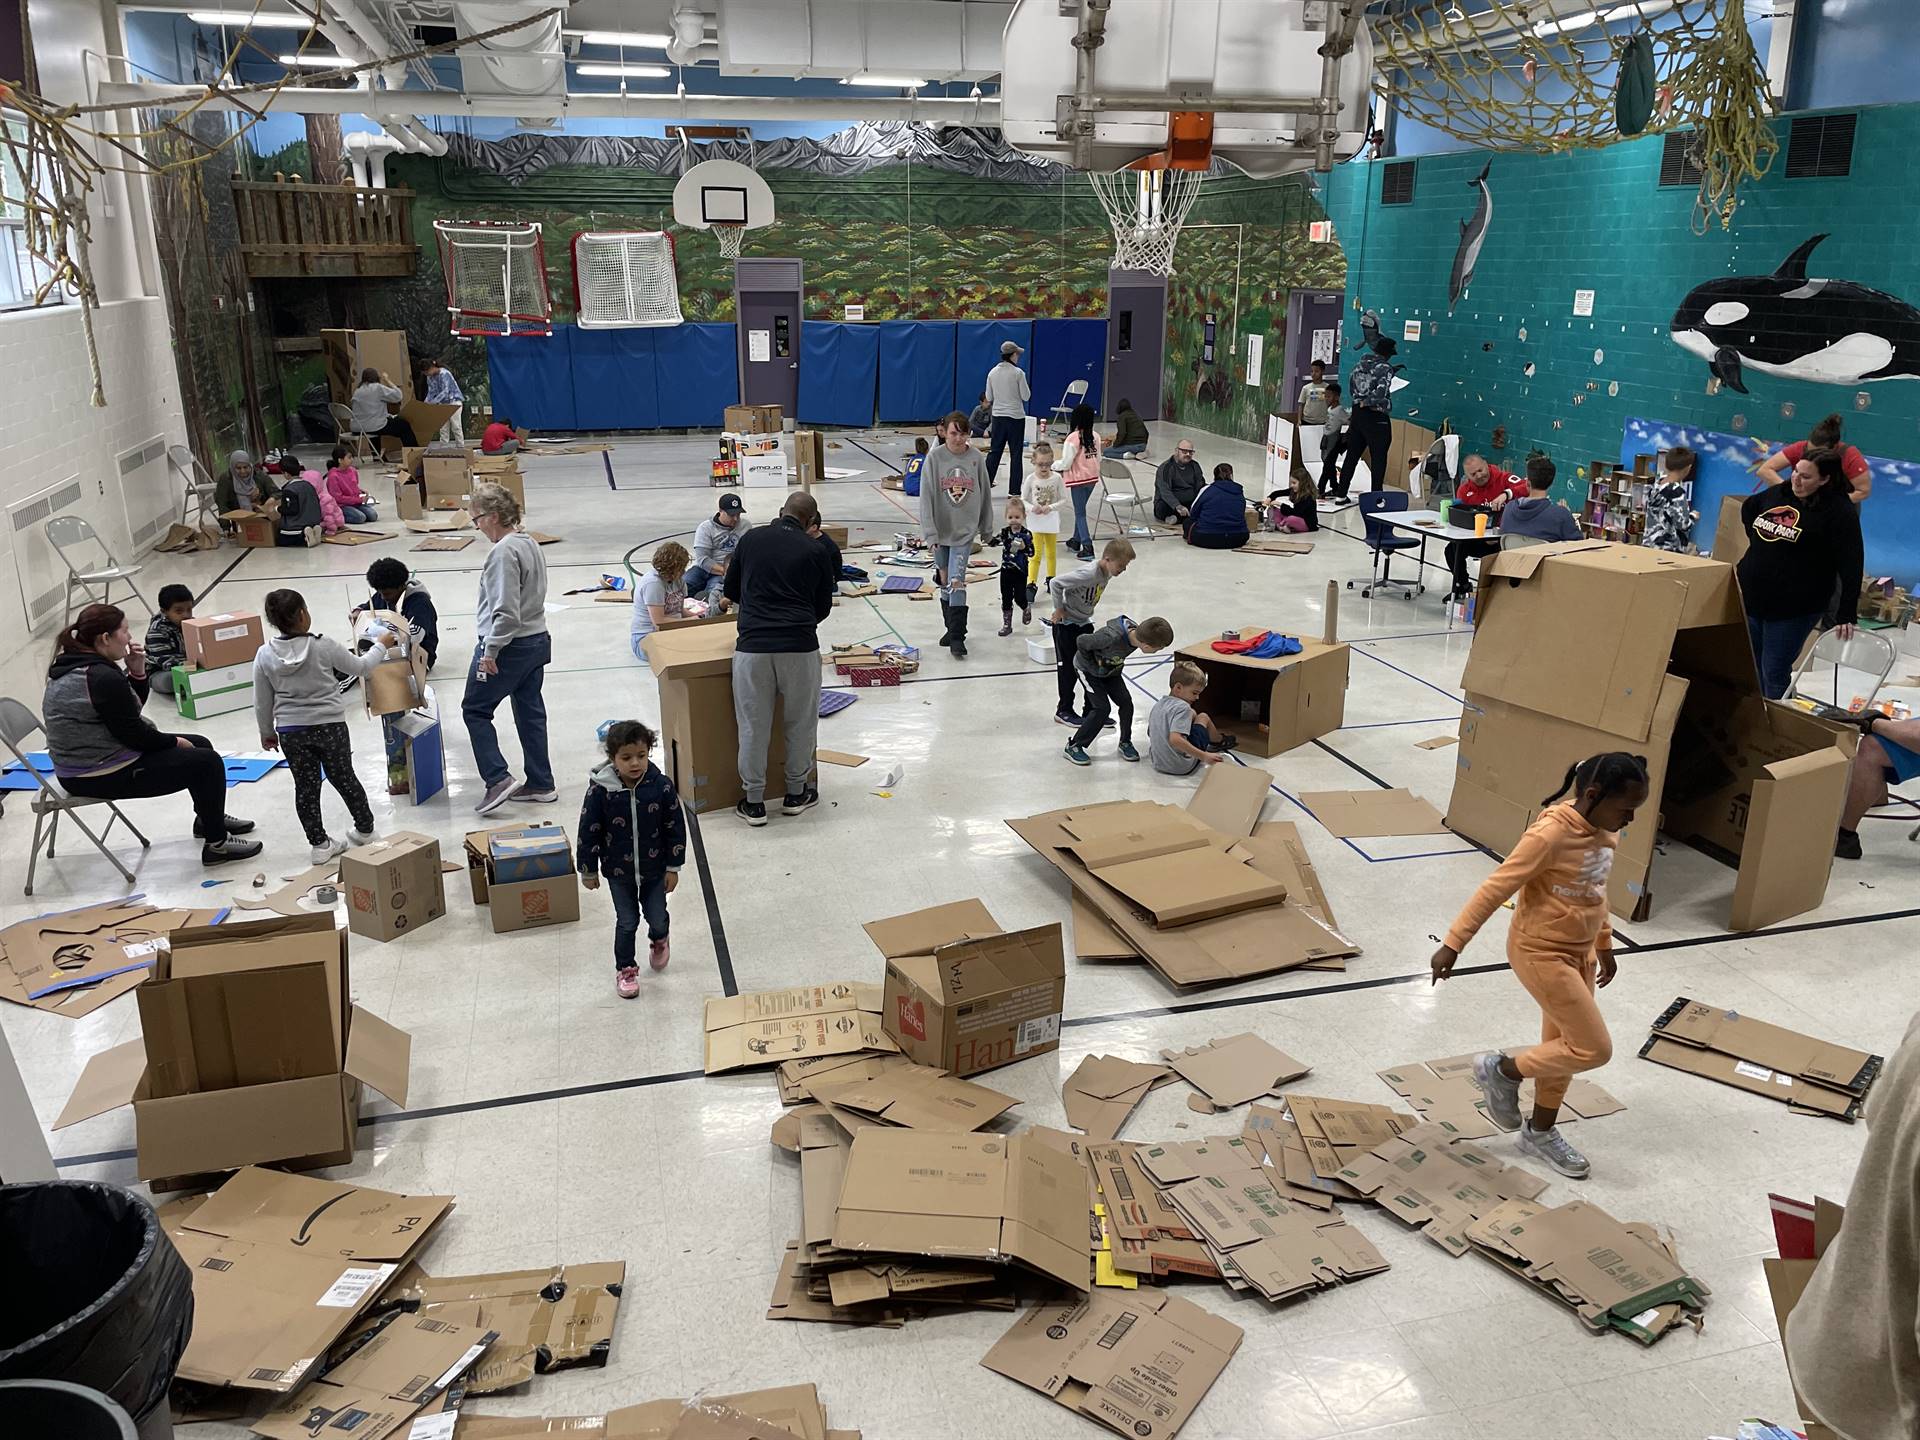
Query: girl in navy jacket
<point>632,832</point>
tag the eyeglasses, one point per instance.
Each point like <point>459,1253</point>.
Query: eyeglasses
<point>1185,452</point>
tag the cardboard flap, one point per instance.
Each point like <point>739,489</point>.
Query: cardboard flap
<point>1787,857</point>
<point>109,1081</point>
<point>923,931</point>
<point>1046,1215</point>
<point>970,969</point>
<point>1230,798</point>
<point>1148,843</point>
<point>379,1055</point>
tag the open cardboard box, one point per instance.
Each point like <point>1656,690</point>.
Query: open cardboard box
<point>1788,1276</point>
<point>699,737</point>
<point>1270,706</point>
<point>1588,647</point>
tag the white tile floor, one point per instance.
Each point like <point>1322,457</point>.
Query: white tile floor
<point>574,1126</point>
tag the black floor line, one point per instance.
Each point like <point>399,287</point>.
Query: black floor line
<point>1352,764</point>
<point>723,956</point>
<point>1649,947</point>
<point>223,575</point>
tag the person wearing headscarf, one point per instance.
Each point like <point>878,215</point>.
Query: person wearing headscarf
<point>244,485</point>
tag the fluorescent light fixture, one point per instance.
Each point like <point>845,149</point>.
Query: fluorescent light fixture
<point>248,20</point>
<point>1570,22</point>
<point>629,72</point>
<point>633,39</point>
<point>884,82</point>
<point>314,60</point>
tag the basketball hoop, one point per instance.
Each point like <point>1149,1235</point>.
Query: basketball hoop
<point>729,237</point>
<point>1146,208</point>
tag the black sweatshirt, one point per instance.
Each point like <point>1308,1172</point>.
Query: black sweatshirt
<point>783,582</point>
<point>1796,550</point>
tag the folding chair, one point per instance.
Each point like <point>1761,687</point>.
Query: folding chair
<point>1868,654</point>
<point>198,488</point>
<point>1138,506</point>
<point>1383,541</point>
<point>67,532</point>
<point>363,445</point>
<point>17,724</point>
<point>1075,392</point>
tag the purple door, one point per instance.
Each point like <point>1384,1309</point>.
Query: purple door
<point>767,296</point>
<point>1313,332</point>
<point>1136,338</point>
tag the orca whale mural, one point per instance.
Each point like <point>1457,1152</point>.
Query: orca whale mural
<point>1830,332</point>
<point>1473,235</point>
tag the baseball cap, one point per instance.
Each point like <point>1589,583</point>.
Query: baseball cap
<point>1007,347</point>
<point>730,504</point>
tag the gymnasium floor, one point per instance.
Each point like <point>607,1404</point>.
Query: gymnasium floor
<point>574,1126</point>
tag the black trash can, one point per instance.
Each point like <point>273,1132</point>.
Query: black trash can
<point>96,1295</point>
<point>55,1407</point>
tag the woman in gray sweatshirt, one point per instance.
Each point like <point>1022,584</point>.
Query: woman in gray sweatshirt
<point>956,507</point>
<point>510,660</point>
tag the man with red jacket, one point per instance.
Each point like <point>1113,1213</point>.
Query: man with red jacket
<point>1480,484</point>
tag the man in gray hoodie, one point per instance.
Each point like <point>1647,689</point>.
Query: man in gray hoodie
<point>510,658</point>
<point>956,507</point>
<point>714,540</point>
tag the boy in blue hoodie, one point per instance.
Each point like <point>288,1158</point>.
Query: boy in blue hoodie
<point>632,831</point>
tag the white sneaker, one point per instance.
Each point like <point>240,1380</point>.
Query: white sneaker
<point>357,838</point>
<point>1552,1147</point>
<point>333,849</point>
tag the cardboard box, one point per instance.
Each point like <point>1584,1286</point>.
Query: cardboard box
<point>532,904</point>
<point>962,995</point>
<point>810,461</point>
<point>282,1265</point>
<point>1588,647</point>
<point>393,885</point>
<point>699,737</point>
<point>447,475</point>
<point>836,533</point>
<point>348,352</point>
<point>751,419</point>
<point>531,852</point>
<point>250,1053</point>
<point>1103,1091</point>
<point>1173,869</point>
<point>1270,706</point>
<point>201,694</point>
<point>1729,531</point>
<point>546,1320</point>
<point>398,683</point>
<point>765,1027</point>
<point>216,641</point>
<point>392,1375</point>
<point>252,528</point>
<point>984,1197</point>
<point>917,1097</point>
<point>1812,1076</point>
<point>409,497</point>
<point>1788,1277</point>
<point>475,847</point>
<point>118,940</point>
<point>1436,1182</point>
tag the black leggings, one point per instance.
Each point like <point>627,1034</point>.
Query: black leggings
<point>1105,693</point>
<point>396,427</point>
<point>1065,638</point>
<point>199,771</point>
<point>1013,588</point>
<point>1371,431</point>
<point>311,751</point>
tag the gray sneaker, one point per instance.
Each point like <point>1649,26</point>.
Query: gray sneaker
<point>496,796</point>
<point>1503,1095</point>
<point>1552,1147</point>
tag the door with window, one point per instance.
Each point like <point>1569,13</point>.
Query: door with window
<point>1136,338</point>
<point>767,299</point>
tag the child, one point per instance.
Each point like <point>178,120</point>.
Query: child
<point>1670,512</point>
<point>1102,657</point>
<point>1045,496</point>
<point>343,483</point>
<point>1079,468</point>
<point>1017,556</point>
<point>300,687</point>
<point>1560,945</point>
<point>301,514</point>
<point>1179,742</point>
<point>1333,439</point>
<point>1074,597</point>
<point>631,831</point>
<point>910,472</point>
<point>661,594</point>
<point>394,589</point>
<point>956,507</point>
<point>166,644</point>
<point>1299,511</point>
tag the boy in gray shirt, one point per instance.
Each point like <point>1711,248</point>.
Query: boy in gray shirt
<point>1074,596</point>
<point>1102,658</point>
<point>1179,742</point>
<point>956,507</point>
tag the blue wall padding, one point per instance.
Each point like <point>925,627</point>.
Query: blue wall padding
<point>916,370</point>
<point>531,378</point>
<point>976,350</point>
<point>613,384</point>
<point>696,374</point>
<point>839,371</point>
<point>1064,351</point>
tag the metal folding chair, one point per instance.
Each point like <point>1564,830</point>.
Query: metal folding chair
<point>1868,655</point>
<point>1075,392</point>
<point>197,488</point>
<point>71,532</point>
<point>1137,506</point>
<point>17,725</point>
<point>363,445</point>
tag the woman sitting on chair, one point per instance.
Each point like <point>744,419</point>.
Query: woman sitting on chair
<point>370,415</point>
<point>1219,516</point>
<point>104,748</point>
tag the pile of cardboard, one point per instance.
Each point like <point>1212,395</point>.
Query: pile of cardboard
<point>1444,1093</point>
<point>791,1412</point>
<point>1811,1077</point>
<point>784,1027</point>
<point>73,962</point>
<point>1885,600</point>
<point>1204,895</point>
<point>1438,1183</point>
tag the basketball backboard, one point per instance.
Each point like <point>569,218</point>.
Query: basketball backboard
<point>722,192</point>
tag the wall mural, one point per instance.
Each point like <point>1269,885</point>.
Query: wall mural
<point>1473,235</point>
<point>1829,332</point>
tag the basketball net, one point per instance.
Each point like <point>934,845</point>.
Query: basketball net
<point>1146,209</point>
<point>730,237</point>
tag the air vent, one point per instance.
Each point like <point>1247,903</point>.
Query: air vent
<point>1678,166</point>
<point>1820,146</point>
<point>1396,183</point>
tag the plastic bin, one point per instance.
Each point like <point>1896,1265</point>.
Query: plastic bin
<point>57,1407</point>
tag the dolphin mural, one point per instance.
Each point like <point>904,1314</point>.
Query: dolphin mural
<point>1473,234</point>
<point>1830,332</point>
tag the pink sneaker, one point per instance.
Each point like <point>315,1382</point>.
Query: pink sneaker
<point>658,953</point>
<point>626,981</point>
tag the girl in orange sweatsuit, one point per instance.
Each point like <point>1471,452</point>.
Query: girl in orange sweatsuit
<point>1560,946</point>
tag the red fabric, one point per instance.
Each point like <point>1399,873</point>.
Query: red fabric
<point>1245,643</point>
<point>1852,463</point>
<point>1499,482</point>
<point>494,436</point>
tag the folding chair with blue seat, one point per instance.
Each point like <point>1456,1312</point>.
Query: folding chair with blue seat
<point>18,725</point>
<point>1383,541</point>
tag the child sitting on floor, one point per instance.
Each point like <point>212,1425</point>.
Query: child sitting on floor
<point>166,643</point>
<point>1178,740</point>
<point>631,831</point>
<point>1297,510</point>
<point>1101,658</point>
<point>1016,556</point>
<point>343,483</point>
<point>916,462</point>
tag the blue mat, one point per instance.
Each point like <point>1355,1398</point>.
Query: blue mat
<point>835,700</point>
<point>14,776</point>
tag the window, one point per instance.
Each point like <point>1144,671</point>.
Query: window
<point>1396,183</point>
<point>1820,146</point>
<point>1679,166</point>
<point>21,273</point>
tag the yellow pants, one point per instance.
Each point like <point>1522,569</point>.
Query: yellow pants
<point>1043,546</point>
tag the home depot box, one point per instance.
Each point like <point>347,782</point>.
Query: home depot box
<point>198,694</point>
<point>393,885</point>
<point>251,1053</point>
<point>251,528</point>
<point>1270,706</point>
<point>751,419</point>
<point>217,641</point>
<point>699,738</point>
<point>527,904</point>
<point>962,995</point>
<point>1590,646</point>
<point>809,458</point>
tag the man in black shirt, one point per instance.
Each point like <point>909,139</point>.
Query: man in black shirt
<point>783,581</point>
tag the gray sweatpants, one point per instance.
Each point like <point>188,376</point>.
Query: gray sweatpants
<point>794,677</point>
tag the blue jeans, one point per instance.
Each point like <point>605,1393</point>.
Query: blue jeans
<point>632,897</point>
<point>1776,645</point>
<point>1080,494</point>
<point>1121,452</point>
<point>951,561</point>
<point>523,668</point>
<point>358,514</point>
<point>699,581</point>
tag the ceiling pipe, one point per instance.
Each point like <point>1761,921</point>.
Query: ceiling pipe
<point>1340,38</point>
<point>695,36</point>
<point>359,38</point>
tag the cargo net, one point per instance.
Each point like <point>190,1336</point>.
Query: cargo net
<point>625,279</point>
<point>496,278</point>
<point>1146,209</point>
<point>1526,75</point>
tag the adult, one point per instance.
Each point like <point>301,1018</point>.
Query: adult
<point>443,389</point>
<point>1494,488</point>
<point>1129,434</point>
<point>244,485</point>
<point>1219,519</point>
<point>1889,754</point>
<point>1370,427</point>
<point>714,540</point>
<point>1802,537</point>
<point>510,653</point>
<point>1536,515</point>
<point>1079,467</point>
<point>1007,395</point>
<point>780,581</point>
<point>371,417</point>
<point>1824,436</point>
<point>104,748</point>
<point>500,438</point>
<point>1311,406</point>
<point>956,508</point>
<point>1176,483</point>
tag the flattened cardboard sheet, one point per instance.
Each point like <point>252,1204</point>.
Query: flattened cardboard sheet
<point>1349,814</point>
